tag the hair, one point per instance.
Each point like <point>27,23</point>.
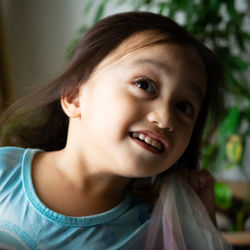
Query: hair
<point>38,121</point>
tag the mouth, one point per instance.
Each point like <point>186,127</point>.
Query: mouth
<point>148,142</point>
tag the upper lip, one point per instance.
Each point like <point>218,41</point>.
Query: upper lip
<point>155,136</point>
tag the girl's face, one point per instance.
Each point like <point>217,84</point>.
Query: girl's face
<point>137,111</point>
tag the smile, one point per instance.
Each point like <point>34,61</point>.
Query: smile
<point>147,142</point>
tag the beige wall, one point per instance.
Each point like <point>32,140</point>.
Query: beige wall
<point>35,35</point>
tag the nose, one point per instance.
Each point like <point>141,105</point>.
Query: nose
<point>162,117</point>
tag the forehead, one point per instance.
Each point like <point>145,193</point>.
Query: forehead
<point>146,43</point>
<point>132,44</point>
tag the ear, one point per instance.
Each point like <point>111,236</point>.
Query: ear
<point>71,107</point>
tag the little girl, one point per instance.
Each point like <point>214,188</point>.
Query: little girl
<point>114,137</point>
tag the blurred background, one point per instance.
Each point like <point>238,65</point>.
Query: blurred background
<point>36,40</point>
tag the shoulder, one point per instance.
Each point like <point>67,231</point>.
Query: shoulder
<point>10,157</point>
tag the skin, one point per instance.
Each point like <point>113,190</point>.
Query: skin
<point>109,106</point>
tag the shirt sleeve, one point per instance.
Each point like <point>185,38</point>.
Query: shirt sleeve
<point>10,159</point>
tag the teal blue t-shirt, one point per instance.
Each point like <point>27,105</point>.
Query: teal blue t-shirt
<point>26,223</point>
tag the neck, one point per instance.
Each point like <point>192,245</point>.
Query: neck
<point>80,177</point>
<point>85,176</point>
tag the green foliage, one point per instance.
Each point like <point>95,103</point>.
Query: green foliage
<point>215,22</point>
<point>223,195</point>
<point>220,25</point>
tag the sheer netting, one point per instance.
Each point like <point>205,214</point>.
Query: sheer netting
<point>180,221</point>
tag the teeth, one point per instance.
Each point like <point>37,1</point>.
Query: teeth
<point>136,135</point>
<point>142,136</point>
<point>148,140</point>
<point>156,144</point>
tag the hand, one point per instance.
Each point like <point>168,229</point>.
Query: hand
<point>202,182</point>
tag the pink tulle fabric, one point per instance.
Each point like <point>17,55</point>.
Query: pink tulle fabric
<point>180,221</point>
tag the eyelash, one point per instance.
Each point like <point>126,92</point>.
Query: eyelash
<point>147,80</point>
<point>139,84</point>
<point>191,111</point>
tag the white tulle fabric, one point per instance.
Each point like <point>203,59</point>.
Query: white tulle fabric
<point>180,221</point>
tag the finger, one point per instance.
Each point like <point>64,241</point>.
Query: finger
<point>206,186</point>
<point>205,179</point>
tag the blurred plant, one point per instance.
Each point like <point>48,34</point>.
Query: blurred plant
<point>220,25</point>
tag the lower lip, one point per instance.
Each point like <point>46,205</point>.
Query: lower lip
<point>146,146</point>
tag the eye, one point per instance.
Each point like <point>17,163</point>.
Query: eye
<point>186,108</point>
<point>146,85</point>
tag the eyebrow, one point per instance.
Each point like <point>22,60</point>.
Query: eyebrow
<point>197,90</point>
<point>155,63</point>
<point>158,64</point>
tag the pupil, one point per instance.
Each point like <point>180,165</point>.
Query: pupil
<point>142,84</point>
<point>182,106</point>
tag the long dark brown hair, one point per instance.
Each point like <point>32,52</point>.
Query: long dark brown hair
<point>38,121</point>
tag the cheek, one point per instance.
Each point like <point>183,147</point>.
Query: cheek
<point>123,112</point>
<point>112,115</point>
<point>183,139</point>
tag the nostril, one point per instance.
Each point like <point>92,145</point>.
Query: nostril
<point>162,119</point>
<point>170,128</point>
